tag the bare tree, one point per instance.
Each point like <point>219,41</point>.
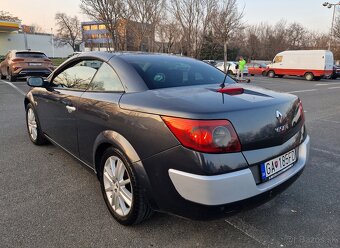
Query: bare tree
<point>108,12</point>
<point>37,28</point>
<point>252,46</point>
<point>194,17</point>
<point>69,31</point>
<point>146,15</point>
<point>296,35</point>
<point>169,34</point>
<point>5,16</point>
<point>226,20</point>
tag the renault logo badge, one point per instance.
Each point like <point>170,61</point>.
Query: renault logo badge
<point>279,116</point>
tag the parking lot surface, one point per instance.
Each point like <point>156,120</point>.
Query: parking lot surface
<point>47,199</point>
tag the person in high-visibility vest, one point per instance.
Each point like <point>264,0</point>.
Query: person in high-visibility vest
<point>241,65</point>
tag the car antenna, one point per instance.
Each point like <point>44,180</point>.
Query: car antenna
<point>222,85</point>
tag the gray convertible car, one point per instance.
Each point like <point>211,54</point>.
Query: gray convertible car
<point>170,134</point>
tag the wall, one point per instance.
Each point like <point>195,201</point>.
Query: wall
<point>37,42</point>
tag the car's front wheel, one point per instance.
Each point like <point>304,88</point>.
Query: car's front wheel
<point>33,126</point>
<point>121,190</point>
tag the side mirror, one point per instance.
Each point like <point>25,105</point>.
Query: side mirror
<point>35,82</point>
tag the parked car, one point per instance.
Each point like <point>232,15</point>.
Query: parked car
<point>232,67</point>
<point>160,137</point>
<point>257,69</point>
<point>311,64</point>
<point>210,62</point>
<point>25,63</point>
<point>336,72</point>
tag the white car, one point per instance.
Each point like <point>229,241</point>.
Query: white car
<point>232,68</point>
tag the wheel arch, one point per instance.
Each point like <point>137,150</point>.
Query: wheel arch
<point>111,138</point>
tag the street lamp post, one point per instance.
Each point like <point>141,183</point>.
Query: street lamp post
<point>330,5</point>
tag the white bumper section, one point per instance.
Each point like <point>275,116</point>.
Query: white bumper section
<point>233,186</point>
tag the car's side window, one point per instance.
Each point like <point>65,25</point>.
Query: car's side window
<point>106,79</point>
<point>77,77</point>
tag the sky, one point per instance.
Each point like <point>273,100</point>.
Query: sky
<point>309,13</point>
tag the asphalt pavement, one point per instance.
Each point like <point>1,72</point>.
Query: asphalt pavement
<point>47,199</point>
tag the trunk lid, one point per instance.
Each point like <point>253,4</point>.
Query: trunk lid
<point>262,118</point>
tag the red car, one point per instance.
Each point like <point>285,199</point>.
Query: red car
<point>257,69</point>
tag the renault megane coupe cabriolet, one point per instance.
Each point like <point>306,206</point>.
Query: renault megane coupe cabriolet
<point>168,133</point>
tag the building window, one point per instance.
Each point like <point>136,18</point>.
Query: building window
<point>86,28</point>
<point>94,27</point>
<point>102,27</point>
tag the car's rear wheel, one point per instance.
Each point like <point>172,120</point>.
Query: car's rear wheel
<point>309,76</point>
<point>264,73</point>
<point>271,74</point>
<point>121,190</point>
<point>33,126</point>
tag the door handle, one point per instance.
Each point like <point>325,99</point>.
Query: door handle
<point>70,109</point>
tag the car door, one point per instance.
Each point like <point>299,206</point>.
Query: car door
<point>57,106</point>
<point>98,110</point>
<point>257,69</point>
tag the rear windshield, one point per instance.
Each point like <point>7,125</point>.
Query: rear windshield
<point>30,55</point>
<point>171,71</point>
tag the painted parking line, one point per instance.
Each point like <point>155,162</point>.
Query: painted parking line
<point>14,87</point>
<point>331,88</point>
<point>326,152</point>
<point>299,91</point>
<point>327,84</point>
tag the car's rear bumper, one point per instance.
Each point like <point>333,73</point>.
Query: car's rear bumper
<point>32,72</point>
<point>231,187</point>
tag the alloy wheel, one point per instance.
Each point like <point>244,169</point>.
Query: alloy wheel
<point>32,124</point>
<point>118,187</point>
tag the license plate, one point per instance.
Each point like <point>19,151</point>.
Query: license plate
<point>276,166</point>
<point>34,64</point>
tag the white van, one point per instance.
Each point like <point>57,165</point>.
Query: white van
<point>311,64</point>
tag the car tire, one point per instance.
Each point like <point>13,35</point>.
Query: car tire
<point>33,126</point>
<point>309,76</point>
<point>252,75</point>
<point>264,73</point>
<point>121,190</point>
<point>271,74</point>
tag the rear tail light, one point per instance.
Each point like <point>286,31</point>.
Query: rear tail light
<point>16,68</point>
<point>301,111</point>
<point>210,136</point>
<point>18,60</point>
